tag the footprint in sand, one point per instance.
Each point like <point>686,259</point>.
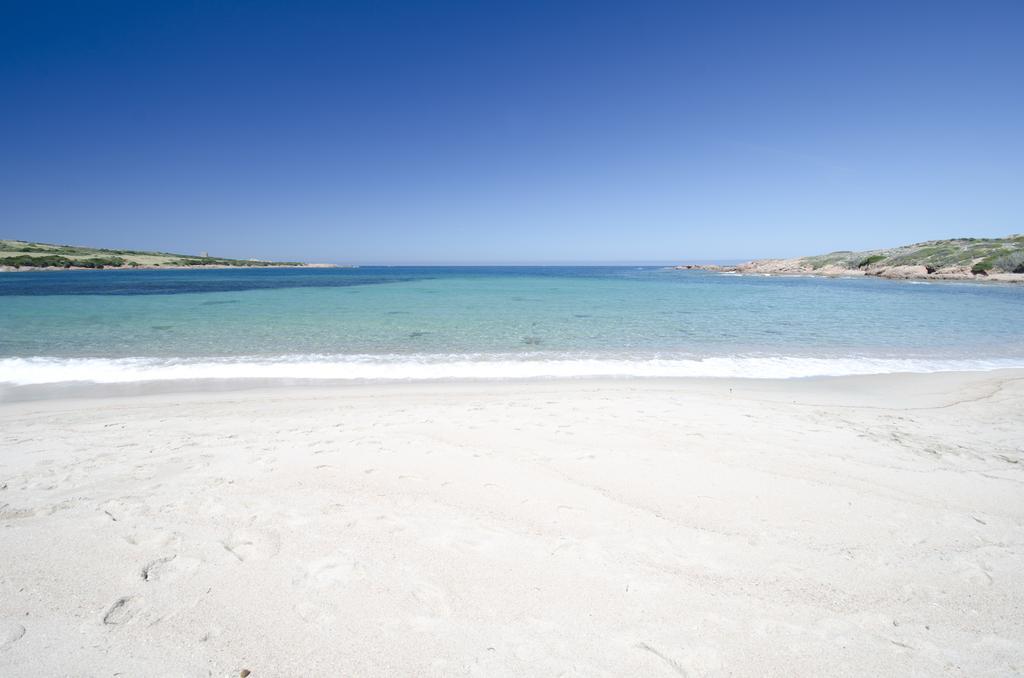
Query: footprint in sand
<point>323,575</point>
<point>121,611</point>
<point>433,599</point>
<point>169,567</point>
<point>252,544</point>
<point>334,570</point>
<point>10,633</point>
<point>975,573</point>
<point>154,539</point>
<point>670,663</point>
<point>8,512</point>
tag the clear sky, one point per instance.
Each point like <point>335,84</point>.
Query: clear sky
<point>484,132</point>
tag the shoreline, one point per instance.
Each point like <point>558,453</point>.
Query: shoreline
<point>259,387</point>
<point>839,526</point>
<point>30,269</point>
<point>782,269</point>
<point>28,375</point>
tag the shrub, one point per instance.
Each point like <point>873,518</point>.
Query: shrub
<point>1011,263</point>
<point>57,261</point>
<point>47,261</point>
<point>982,267</point>
<point>873,259</point>
<point>99,262</point>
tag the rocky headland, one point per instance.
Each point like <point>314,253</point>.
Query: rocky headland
<point>977,259</point>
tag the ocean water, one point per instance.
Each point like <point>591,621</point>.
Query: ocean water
<point>492,322</point>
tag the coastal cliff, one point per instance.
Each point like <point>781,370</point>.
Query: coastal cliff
<point>996,259</point>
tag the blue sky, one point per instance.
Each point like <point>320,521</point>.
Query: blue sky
<point>479,132</point>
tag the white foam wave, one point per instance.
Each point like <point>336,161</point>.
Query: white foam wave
<point>25,371</point>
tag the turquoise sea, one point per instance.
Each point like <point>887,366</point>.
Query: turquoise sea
<point>492,322</point>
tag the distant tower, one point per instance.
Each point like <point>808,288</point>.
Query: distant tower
<point>204,255</point>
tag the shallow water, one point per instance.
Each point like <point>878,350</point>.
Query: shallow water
<point>392,322</point>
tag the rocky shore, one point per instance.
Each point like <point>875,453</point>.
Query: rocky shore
<point>797,267</point>
<point>975,259</point>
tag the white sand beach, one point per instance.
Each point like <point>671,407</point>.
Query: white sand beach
<point>850,526</point>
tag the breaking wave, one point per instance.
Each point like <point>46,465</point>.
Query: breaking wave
<point>46,370</point>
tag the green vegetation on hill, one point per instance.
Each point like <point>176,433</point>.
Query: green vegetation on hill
<point>873,259</point>
<point>57,261</point>
<point>979,255</point>
<point>18,253</point>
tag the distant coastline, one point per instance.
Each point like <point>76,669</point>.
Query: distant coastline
<point>975,259</point>
<point>21,255</point>
<point>157,267</point>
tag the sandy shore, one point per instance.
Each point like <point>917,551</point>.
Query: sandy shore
<point>850,526</point>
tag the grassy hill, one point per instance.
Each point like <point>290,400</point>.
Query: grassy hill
<point>19,253</point>
<point>978,255</point>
